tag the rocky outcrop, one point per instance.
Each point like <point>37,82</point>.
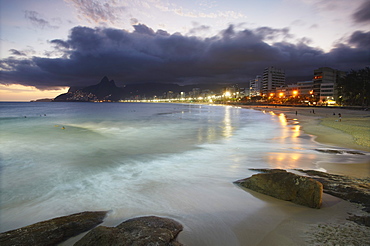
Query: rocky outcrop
<point>149,230</point>
<point>340,151</point>
<point>361,220</point>
<point>54,231</point>
<point>348,188</point>
<point>286,186</point>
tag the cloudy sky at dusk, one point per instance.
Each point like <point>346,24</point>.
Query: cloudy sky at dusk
<point>47,45</point>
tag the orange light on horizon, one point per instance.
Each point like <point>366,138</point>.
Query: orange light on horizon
<point>21,93</point>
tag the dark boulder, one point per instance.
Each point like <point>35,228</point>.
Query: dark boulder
<point>149,230</point>
<point>54,231</point>
<point>286,186</point>
<point>348,188</point>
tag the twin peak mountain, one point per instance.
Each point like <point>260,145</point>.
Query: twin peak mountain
<point>107,91</point>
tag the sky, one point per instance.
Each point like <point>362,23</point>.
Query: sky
<point>49,45</point>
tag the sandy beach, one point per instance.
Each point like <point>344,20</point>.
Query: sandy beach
<point>350,131</point>
<point>280,223</point>
<point>328,225</point>
<point>201,195</point>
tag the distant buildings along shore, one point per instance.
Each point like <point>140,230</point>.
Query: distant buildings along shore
<point>270,87</point>
<point>322,89</point>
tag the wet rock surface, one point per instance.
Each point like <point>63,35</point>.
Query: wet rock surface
<point>150,230</point>
<point>361,220</point>
<point>285,186</point>
<point>54,231</point>
<point>350,189</point>
<point>338,151</point>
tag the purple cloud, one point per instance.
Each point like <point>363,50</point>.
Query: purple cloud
<point>362,14</point>
<point>145,55</point>
<point>35,19</point>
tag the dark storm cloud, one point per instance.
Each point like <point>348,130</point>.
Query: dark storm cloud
<point>268,33</point>
<point>17,52</point>
<point>363,13</point>
<point>60,43</point>
<point>198,29</point>
<point>36,20</point>
<point>360,39</point>
<point>143,29</point>
<point>145,55</point>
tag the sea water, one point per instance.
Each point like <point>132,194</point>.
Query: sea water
<point>136,159</point>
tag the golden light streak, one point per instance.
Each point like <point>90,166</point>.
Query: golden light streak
<point>227,132</point>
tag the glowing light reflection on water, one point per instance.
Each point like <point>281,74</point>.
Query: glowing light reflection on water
<point>137,159</point>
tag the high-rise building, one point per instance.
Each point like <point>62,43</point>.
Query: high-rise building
<point>255,86</point>
<point>324,83</point>
<point>271,79</point>
<point>305,88</point>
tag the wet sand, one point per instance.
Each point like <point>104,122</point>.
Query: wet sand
<point>328,225</point>
<point>352,131</point>
<point>268,221</point>
<point>250,218</point>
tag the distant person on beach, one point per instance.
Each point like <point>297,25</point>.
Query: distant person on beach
<point>340,117</point>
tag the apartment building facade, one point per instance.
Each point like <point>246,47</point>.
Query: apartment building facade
<point>325,82</point>
<point>272,78</point>
<point>255,86</point>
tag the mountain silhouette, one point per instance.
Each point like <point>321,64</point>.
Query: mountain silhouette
<point>106,90</point>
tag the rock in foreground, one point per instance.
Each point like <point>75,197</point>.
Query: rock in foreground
<point>286,186</point>
<point>149,230</point>
<point>54,231</point>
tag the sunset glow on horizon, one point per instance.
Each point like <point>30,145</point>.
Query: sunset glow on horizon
<point>20,93</point>
<point>64,43</point>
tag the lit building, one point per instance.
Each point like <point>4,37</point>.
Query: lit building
<point>325,82</point>
<point>255,86</point>
<point>305,87</point>
<point>195,92</point>
<point>272,78</point>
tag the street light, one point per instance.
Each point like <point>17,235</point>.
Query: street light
<point>227,94</point>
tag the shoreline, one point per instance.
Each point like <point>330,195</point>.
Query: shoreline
<point>325,125</point>
<point>352,132</point>
<point>330,224</point>
<point>252,218</point>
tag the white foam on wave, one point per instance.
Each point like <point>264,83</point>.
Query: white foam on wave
<point>174,164</point>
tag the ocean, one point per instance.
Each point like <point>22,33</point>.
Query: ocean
<point>136,159</point>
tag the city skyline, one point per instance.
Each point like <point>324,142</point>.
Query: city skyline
<point>48,45</point>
